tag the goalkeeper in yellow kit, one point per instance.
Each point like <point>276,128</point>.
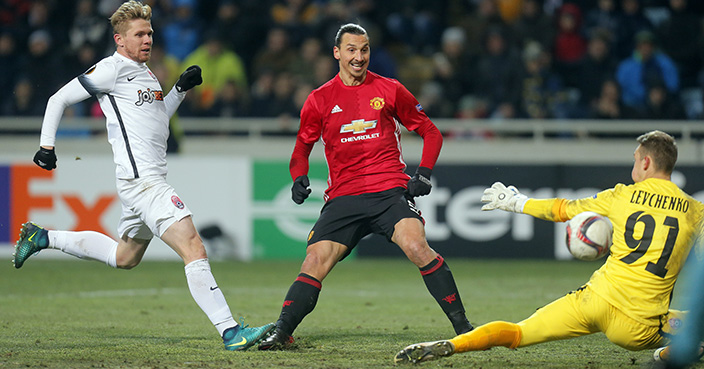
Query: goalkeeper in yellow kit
<point>654,226</point>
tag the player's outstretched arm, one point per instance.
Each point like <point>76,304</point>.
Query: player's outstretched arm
<point>498,196</point>
<point>71,93</point>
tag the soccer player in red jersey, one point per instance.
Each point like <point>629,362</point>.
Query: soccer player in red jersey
<point>358,115</point>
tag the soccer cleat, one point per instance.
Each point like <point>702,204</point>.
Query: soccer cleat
<point>33,239</point>
<point>276,341</point>
<point>426,351</point>
<point>241,337</point>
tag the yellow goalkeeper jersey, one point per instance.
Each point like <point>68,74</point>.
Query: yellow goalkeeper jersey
<point>655,224</point>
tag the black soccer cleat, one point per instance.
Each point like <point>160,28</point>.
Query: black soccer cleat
<point>278,340</point>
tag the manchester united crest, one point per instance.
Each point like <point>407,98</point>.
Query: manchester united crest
<point>377,103</point>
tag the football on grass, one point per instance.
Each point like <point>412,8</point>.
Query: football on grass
<point>589,236</point>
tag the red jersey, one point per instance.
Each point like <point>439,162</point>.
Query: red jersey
<point>360,127</point>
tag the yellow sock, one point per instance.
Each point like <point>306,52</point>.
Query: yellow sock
<point>487,336</point>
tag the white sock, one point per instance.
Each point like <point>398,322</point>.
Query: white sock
<point>85,245</point>
<point>207,294</point>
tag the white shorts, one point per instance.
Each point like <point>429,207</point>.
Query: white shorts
<point>149,207</point>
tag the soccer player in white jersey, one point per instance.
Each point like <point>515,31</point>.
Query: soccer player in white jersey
<point>137,113</point>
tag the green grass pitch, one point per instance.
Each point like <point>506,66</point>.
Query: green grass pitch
<point>81,314</point>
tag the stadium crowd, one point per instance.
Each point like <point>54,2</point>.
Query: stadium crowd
<point>593,59</point>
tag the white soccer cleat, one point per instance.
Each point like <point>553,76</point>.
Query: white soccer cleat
<point>426,351</point>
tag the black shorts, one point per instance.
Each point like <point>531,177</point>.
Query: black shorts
<point>346,219</point>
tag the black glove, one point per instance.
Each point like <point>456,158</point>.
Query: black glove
<point>45,158</point>
<point>419,184</point>
<point>189,79</point>
<point>300,190</point>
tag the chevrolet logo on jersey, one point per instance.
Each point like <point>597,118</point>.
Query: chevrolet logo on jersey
<point>358,126</point>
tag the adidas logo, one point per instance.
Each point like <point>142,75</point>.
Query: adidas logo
<point>336,109</point>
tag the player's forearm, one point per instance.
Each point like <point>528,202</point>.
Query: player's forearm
<point>432,143</point>
<point>554,210</point>
<point>299,159</point>
<point>71,93</point>
<point>173,100</point>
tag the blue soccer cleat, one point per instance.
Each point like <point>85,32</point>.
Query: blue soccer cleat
<point>241,337</point>
<point>33,239</point>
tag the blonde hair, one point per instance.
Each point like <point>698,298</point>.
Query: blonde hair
<point>128,11</point>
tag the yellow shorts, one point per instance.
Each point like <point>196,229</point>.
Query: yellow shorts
<point>583,312</point>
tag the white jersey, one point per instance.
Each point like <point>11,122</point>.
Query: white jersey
<point>136,109</point>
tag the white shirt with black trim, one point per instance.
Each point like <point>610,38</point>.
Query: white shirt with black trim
<point>136,109</point>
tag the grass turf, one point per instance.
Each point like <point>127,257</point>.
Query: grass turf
<point>80,314</point>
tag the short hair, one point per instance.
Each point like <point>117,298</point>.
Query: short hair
<point>661,147</point>
<point>128,11</point>
<point>352,28</point>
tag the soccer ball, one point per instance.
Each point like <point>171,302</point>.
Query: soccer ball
<point>589,236</point>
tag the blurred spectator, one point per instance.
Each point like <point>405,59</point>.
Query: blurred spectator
<point>41,65</point>
<point>645,68</point>
<point>434,103</point>
<point>298,17</point>
<point>276,56</point>
<point>239,30</point>
<point>472,107</point>
<point>231,102</point>
<point>602,19</point>
<point>509,10</point>
<point>282,103</point>
<point>12,12</point>
<point>107,7</point>
<point>88,27</point>
<point>262,94</point>
<point>325,69</point>
<point>661,105</point>
<point>608,105</point>
<point>681,38</point>
<point>452,66</point>
<point>570,44</point>
<point>9,64</point>
<point>417,23</point>
<point>383,62</point>
<point>630,23</point>
<point>534,25</point>
<point>542,94</point>
<point>23,102</point>
<point>478,23</point>
<point>498,74</point>
<point>334,13</point>
<point>219,65</point>
<point>303,67</point>
<point>182,33</point>
<point>597,66</point>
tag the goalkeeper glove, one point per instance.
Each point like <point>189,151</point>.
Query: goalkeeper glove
<point>189,79</point>
<point>300,190</point>
<point>419,184</point>
<point>505,198</point>
<point>45,158</point>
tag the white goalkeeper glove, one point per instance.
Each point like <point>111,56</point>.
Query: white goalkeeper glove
<point>505,198</point>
